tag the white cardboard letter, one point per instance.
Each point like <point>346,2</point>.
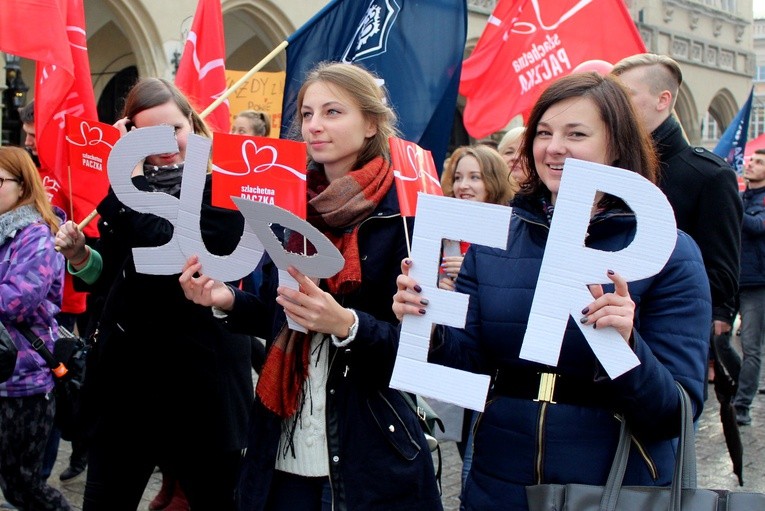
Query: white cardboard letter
<point>325,263</point>
<point>439,218</point>
<point>568,266</point>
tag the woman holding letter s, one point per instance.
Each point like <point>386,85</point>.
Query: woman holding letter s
<point>167,384</point>
<point>327,432</point>
<point>523,436</point>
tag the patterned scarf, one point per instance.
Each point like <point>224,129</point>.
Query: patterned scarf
<point>164,179</point>
<point>336,209</point>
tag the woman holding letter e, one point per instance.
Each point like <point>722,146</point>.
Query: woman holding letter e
<point>525,437</point>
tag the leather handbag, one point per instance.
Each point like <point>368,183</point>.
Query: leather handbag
<point>682,495</point>
<point>8,354</point>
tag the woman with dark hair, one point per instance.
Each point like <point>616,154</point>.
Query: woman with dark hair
<point>167,384</point>
<point>327,430</point>
<point>521,440</point>
<point>252,122</point>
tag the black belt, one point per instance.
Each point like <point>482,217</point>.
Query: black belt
<point>542,385</point>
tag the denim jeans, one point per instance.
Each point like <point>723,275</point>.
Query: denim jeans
<point>752,335</point>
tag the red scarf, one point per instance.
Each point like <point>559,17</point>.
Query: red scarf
<point>336,209</point>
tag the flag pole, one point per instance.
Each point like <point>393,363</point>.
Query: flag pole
<point>257,67</point>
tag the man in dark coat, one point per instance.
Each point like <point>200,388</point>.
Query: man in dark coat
<point>700,186</point>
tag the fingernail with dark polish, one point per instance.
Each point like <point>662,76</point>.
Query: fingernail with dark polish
<point>610,272</point>
<point>424,301</point>
<point>594,326</point>
<point>422,312</point>
<point>585,310</point>
<point>583,319</point>
<point>418,288</point>
<point>407,262</point>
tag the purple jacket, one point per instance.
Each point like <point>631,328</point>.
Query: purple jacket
<point>31,288</point>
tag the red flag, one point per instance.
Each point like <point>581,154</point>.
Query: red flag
<point>527,44</point>
<point>202,72</point>
<point>260,169</point>
<point>415,171</point>
<point>63,86</point>
<point>89,144</point>
<point>20,20</point>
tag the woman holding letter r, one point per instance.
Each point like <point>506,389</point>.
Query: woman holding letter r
<point>525,437</point>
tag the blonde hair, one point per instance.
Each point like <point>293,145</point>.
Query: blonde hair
<point>17,162</point>
<point>500,187</point>
<point>661,72</point>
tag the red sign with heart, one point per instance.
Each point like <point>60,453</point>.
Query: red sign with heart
<point>89,143</point>
<point>415,171</point>
<point>260,169</point>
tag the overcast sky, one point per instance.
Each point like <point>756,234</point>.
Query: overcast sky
<point>759,8</point>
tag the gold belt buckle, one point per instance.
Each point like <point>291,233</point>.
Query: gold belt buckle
<point>546,387</point>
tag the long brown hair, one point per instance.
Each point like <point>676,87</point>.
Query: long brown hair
<point>17,162</point>
<point>629,144</point>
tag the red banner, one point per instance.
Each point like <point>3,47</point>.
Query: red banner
<point>89,144</point>
<point>415,171</point>
<point>527,44</point>
<point>260,169</point>
<point>23,22</point>
<point>202,71</point>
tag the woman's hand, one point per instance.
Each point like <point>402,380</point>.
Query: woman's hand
<point>202,289</point>
<point>312,308</point>
<point>450,265</point>
<point>71,242</point>
<point>123,126</point>
<point>611,309</point>
<point>407,299</point>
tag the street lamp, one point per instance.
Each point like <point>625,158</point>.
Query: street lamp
<point>16,92</point>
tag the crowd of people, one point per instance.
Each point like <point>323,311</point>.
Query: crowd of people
<point>170,378</point>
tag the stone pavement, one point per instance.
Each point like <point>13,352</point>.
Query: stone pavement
<point>713,461</point>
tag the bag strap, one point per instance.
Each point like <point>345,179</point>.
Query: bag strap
<point>57,368</point>
<point>684,476</point>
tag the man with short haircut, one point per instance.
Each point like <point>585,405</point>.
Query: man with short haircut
<point>752,290</point>
<point>700,186</point>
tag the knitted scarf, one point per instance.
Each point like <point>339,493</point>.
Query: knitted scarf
<point>166,178</point>
<point>337,209</point>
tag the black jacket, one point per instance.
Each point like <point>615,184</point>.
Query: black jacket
<point>158,354</point>
<point>377,452</point>
<point>753,239</point>
<point>702,189</point>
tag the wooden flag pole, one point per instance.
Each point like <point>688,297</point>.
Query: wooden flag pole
<point>257,67</point>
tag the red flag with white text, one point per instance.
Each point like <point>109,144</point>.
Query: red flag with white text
<point>261,169</point>
<point>528,44</point>
<point>89,144</point>
<point>414,171</point>
<point>56,96</point>
<point>202,71</point>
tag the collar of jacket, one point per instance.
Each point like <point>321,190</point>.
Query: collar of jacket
<point>15,219</point>
<point>668,139</point>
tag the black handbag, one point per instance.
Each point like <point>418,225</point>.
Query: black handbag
<point>8,354</point>
<point>67,362</point>
<point>682,495</point>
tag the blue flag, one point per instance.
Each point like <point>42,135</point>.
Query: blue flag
<point>415,46</point>
<point>733,142</point>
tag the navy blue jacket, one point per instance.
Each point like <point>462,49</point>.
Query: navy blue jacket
<point>521,442</point>
<point>753,239</point>
<point>378,456</point>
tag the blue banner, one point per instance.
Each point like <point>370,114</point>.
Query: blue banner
<point>733,142</point>
<point>415,46</point>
